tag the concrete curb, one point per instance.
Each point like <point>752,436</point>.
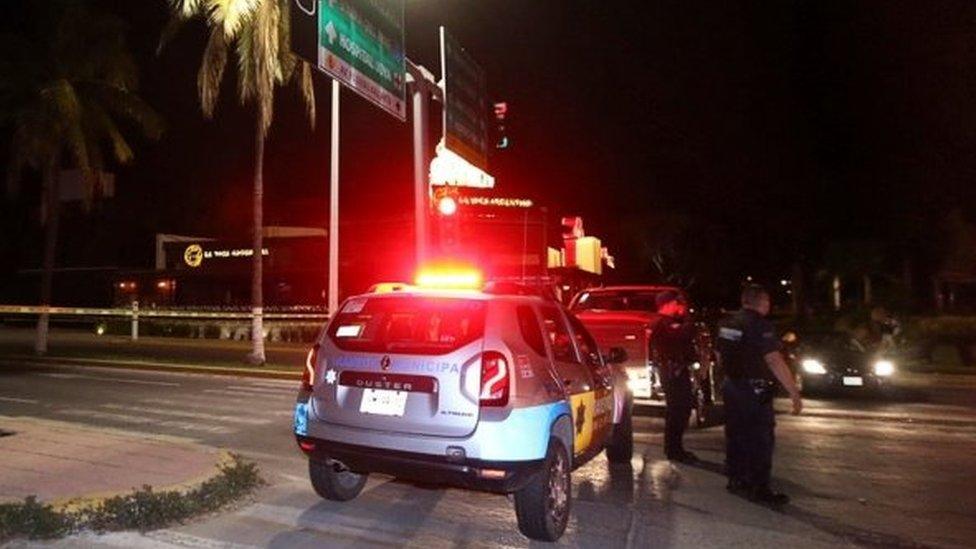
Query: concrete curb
<point>91,501</point>
<point>155,366</point>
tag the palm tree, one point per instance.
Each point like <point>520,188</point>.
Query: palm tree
<point>63,92</point>
<point>257,32</point>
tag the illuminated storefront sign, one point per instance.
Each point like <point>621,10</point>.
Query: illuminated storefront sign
<point>195,254</point>
<point>495,201</point>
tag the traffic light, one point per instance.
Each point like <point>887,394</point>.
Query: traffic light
<point>501,122</point>
<point>445,209</point>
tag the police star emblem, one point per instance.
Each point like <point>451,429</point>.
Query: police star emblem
<point>580,417</point>
<point>330,376</point>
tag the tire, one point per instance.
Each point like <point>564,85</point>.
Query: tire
<point>620,448</point>
<point>543,506</point>
<point>333,482</point>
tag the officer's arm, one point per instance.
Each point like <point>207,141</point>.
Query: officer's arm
<point>776,364</point>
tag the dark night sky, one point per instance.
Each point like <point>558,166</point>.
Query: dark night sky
<point>776,127</point>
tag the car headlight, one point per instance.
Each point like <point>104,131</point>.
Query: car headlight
<point>884,368</point>
<point>812,366</point>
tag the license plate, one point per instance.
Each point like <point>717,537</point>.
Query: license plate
<point>383,403</point>
<point>853,381</point>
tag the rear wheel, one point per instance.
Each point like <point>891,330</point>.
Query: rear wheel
<point>333,481</point>
<point>543,506</point>
<point>621,446</point>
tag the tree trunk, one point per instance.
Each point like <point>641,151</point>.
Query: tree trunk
<point>257,275</point>
<point>51,216</point>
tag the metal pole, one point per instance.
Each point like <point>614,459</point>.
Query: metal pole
<point>334,206</point>
<point>421,189</point>
<point>135,320</point>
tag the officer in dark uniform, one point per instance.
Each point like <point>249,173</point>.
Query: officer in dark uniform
<point>750,353</point>
<point>673,349</point>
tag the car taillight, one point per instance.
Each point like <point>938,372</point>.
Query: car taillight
<point>494,379</point>
<point>308,374</point>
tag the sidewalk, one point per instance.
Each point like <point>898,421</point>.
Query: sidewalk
<point>284,360</point>
<point>67,464</point>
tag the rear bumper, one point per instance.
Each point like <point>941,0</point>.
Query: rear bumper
<point>488,476</point>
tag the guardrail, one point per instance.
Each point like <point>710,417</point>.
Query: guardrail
<point>134,314</point>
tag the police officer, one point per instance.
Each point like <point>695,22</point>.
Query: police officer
<point>750,353</point>
<point>673,348</point>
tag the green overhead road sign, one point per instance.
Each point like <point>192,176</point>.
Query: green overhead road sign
<point>357,42</point>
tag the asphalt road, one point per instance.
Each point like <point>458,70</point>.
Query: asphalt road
<point>861,473</point>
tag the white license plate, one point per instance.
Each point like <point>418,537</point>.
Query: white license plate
<point>853,381</point>
<point>383,403</point>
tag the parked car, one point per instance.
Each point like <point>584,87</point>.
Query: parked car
<point>492,392</point>
<point>837,361</point>
<point>624,316</point>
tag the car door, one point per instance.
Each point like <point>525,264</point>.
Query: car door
<point>575,377</point>
<point>602,377</point>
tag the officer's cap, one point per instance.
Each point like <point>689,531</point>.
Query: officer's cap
<point>666,297</point>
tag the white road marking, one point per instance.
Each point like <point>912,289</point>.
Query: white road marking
<point>111,379</point>
<point>140,420</point>
<point>265,390</point>
<point>275,383</point>
<point>160,539</point>
<point>213,404</point>
<point>182,413</point>
<point>19,400</point>
<point>227,392</point>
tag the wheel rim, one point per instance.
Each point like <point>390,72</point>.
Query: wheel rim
<point>558,488</point>
<point>343,476</point>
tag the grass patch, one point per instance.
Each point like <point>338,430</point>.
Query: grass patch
<point>142,510</point>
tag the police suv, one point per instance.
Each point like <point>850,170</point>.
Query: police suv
<point>501,393</point>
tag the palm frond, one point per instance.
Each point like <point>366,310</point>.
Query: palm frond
<point>212,71</point>
<point>265,50</point>
<point>187,8</point>
<point>65,108</point>
<point>307,88</point>
<point>127,105</point>
<point>230,15</point>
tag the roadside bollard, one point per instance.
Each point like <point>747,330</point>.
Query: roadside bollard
<point>135,320</point>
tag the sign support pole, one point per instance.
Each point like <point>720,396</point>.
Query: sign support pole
<point>423,88</point>
<point>333,290</point>
<point>421,198</point>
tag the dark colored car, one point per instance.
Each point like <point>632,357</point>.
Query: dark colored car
<point>838,361</point>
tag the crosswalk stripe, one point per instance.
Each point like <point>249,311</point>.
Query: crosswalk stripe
<point>19,400</point>
<point>265,390</point>
<point>186,414</point>
<point>140,420</point>
<point>228,392</point>
<point>110,379</point>
<point>215,404</point>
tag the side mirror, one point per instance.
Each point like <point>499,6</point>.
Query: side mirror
<point>617,355</point>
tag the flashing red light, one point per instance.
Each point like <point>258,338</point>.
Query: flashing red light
<point>494,379</point>
<point>308,374</point>
<point>450,278</point>
<point>447,205</point>
<point>307,446</point>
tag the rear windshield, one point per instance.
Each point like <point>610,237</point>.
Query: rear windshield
<point>408,325</point>
<point>623,300</point>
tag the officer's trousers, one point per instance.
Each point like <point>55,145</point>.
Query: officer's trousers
<point>749,433</point>
<point>678,402</point>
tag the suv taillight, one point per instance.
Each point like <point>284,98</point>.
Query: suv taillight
<point>308,374</point>
<point>494,379</point>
